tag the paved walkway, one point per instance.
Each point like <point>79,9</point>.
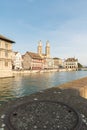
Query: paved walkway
<point>51,109</point>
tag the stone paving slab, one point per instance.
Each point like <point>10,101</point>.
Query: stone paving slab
<point>68,94</point>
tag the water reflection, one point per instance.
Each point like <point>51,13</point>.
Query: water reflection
<point>25,85</point>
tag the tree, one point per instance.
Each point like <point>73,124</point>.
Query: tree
<point>80,65</point>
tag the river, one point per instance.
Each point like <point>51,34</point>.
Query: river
<point>19,86</point>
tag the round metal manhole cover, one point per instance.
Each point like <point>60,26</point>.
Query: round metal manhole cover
<point>43,115</point>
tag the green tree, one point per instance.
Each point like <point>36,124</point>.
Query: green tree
<point>80,65</point>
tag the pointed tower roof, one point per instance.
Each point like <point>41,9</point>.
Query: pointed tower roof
<point>40,43</point>
<point>47,43</point>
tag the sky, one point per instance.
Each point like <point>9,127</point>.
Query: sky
<point>62,22</point>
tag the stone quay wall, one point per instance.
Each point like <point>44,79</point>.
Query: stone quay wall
<point>6,73</point>
<point>12,73</point>
<point>72,94</point>
<point>80,85</point>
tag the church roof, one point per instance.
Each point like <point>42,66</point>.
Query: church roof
<point>6,39</point>
<point>34,55</point>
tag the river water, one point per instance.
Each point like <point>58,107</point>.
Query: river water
<point>11,88</point>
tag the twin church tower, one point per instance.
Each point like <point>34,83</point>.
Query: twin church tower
<point>47,49</point>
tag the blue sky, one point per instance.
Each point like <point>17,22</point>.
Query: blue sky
<point>62,22</point>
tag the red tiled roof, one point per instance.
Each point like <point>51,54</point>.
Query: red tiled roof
<point>34,55</point>
<point>6,39</point>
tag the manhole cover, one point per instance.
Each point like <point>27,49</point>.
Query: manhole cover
<point>43,115</point>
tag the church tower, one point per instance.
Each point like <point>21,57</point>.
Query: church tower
<point>47,49</point>
<point>39,48</point>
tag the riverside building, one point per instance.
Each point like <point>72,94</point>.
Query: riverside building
<point>17,61</point>
<point>71,63</point>
<point>39,60</point>
<point>32,61</point>
<point>5,56</point>
<point>58,63</point>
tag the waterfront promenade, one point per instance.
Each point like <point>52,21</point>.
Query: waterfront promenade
<point>72,95</point>
<point>12,73</point>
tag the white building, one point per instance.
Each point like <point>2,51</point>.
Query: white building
<point>48,63</point>
<point>71,63</point>
<point>17,61</point>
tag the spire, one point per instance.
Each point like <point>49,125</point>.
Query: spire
<point>47,44</point>
<point>40,43</point>
<point>47,49</point>
<point>39,48</point>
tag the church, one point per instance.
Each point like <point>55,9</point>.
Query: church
<point>40,50</point>
<point>39,60</point>
<point>48,61</point>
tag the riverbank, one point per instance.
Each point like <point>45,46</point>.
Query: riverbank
<point>33,71</point>
<point>71,94</point>
<point>12,73</point>
<point>24,72</point>
<point>6,74</point>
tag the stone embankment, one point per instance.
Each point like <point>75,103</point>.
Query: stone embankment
<point>12,73</point>
<point>23,72</point>
<point>33,71</point>
<point>59,108</point>
<point>6,73</point>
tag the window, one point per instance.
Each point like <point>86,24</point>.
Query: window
<point>6,45</point>
<point>6,53</point>
<point>6,63</point>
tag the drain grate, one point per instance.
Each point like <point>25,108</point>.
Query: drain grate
<point>43,115</point>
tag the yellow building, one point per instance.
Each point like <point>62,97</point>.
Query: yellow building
<point>5,56</point>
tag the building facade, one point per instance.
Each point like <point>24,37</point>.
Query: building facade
<point>48,63</point>
<point>5,55</point>
<point>17,61</point>
<point>32,61</point>
<point>58,63</point>
<point>71,63</point>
